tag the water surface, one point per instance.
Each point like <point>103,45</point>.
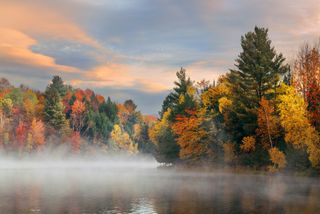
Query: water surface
<point>130,187</point>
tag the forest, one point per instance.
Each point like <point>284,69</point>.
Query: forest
<point>263,114</point>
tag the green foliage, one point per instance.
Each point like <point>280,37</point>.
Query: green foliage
<point>259,70</point>
<point>110,109</point>
<point>180,98</point>
<point>161,135</point>
<point>54,110</point>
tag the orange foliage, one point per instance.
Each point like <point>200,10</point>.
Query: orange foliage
<point>190,134</point>
<point>248,144</point>
<point>149,119</point>
<point>268,124</point>
<point>88,94</point>
<point>79,94</point>
<point>66,100</point>
<point>100,99</point>
<point>21,133</point>
<point>37,131</point>
<point>78,109</point>
<point>123,113</point>
<point>277,157</point>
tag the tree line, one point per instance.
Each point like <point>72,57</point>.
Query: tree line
<point>263,113</point>
<point>81,120</point>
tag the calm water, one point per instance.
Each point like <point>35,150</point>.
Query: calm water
<point>101,188</point>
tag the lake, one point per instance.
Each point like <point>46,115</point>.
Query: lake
<point>141,187</point>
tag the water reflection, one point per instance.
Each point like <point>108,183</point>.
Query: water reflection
<point>105,190</point>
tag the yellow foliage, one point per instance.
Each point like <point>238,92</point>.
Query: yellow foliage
<point>182,99</point>
<point>248,144</point>
<point>159,127</point>
<point>213,94</point>
<point>37,131</point>
<point>29,145</point>
<point>298,130</point>
<point>224,103</point>
<point>6,105</point>
<point>278,158</point>
<point>6,138</point>
<point>136,131</point>
<point>191,91</point>
<point>123,140</point>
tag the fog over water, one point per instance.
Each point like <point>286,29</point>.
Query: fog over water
<point>138,185</point>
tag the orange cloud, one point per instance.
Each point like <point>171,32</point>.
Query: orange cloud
<point>124,76</point>
<point>15,49</point>
<point>32,18</point>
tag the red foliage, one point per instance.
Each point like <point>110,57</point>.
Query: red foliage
<point>78,107</point>
<point>79,94</point>
<point>66,100</point>
<point>21,133</point>
<point>313,97</point>
<point>100,99</point>
<point>149,119</point>
<point>88,94</point>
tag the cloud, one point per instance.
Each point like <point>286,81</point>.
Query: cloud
<point>15,50</point>
<point>123,76</point>
<point>134,48</point>
<point>36,18</point>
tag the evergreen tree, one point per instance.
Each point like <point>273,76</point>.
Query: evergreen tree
<point>180,98</point>
<point>58,85</point>
<point>53,107</point>
<point>258,73</point>
<point>110,109</point>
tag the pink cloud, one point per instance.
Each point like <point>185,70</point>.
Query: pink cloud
<point>15,50</point>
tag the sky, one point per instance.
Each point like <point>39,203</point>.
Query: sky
<point>131,49</point>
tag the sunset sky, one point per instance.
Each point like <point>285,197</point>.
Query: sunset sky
<point>132,48</point>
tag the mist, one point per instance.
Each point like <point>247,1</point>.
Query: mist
<point>136,184</point>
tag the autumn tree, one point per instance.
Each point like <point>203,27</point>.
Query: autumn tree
<point>191,135</point>
<point>37,131</point>
<point>30,102</point>
<point>161,135</point>
<point>78,115</point>
<point>294,120</point>
<point>268,124</point>
<point>278,158</point>
<point>217,97</point>
<point>181,98</point>
<point>248,144</point>
<point>21,134</point>
<point>122,140</point>
<point>306,78</point>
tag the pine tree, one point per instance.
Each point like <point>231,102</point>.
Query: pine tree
<point>53,108</point>
<point>57,84</point>
<point>180,98</point>
<point>258,73</point>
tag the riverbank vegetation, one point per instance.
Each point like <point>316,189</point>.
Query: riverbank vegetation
<point>262,114</point>
<point>79,120</point>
